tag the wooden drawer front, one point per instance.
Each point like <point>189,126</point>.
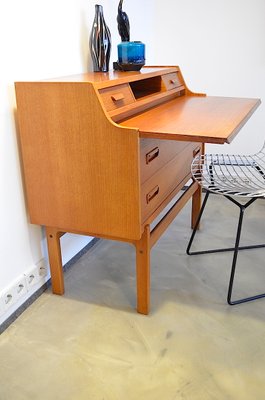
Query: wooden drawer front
<point>156,153</point>
<point>171,81</point>
<point>155,190</point>
<point>117,96</point>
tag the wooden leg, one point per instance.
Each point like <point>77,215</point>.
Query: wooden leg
<point>196,206</point>
<point>143,272</point>
<point>55,258</point>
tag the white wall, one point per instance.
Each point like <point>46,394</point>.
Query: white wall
<point>220,47</point>
<point>40,39</point>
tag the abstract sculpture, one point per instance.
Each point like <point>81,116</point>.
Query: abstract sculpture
<point>123,24</point>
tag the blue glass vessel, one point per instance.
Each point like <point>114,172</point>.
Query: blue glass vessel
<point>131,55</point>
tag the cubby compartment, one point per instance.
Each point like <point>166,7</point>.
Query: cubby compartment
<point>147,87</point>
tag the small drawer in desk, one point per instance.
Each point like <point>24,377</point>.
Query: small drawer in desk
<point>159,186</point>
<point>171,81</point>
<point>117,96</point>
<point>156,153</point>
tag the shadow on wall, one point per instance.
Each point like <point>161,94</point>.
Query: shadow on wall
<point>34,233</point>
<point>84,42</point>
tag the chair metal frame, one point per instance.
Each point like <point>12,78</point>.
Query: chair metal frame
<point>230,176</point>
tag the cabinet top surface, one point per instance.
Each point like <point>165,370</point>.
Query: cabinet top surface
<point>113,77</point>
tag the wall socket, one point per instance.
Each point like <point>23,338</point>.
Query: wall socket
<point>22,285</point>
<point>8,297</point>
<point>42,268</point>
<point>36,274</point>
<point>32,277</point>
<point>13,293</point>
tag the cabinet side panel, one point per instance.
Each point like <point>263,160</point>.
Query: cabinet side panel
<point>81,171</point>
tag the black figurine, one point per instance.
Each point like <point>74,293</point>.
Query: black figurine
<point>123,24</point>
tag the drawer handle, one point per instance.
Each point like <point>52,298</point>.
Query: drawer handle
<point>152,194</point>
<point>152,155</point>
<point>174,81</point>
<point>117,97</point>
<point>196,151</point>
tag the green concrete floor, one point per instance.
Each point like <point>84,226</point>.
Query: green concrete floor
<point>90,344</point>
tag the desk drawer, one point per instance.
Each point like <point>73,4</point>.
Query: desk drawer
<point>116,96</point>
<point>156,189</point>
<point>171,81</point>
<point>156,153</point>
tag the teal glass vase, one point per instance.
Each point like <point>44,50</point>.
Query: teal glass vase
<point>131,54</point>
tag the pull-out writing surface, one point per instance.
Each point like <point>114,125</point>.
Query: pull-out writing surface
<point>195,118</point>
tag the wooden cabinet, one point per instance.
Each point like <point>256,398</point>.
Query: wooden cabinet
<point>104,153</point>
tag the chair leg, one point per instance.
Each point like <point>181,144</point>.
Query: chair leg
<point>222,250</point>
<point>233,268</point>
<point>236,248</point>
<point>196,226</point>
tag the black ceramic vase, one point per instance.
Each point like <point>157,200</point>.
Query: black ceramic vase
<point>100,42</point>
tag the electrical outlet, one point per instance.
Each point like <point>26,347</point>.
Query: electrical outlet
<point>32,277</point>
<point>42,268</point>
<point>8,297</point>
<point>20,287</point>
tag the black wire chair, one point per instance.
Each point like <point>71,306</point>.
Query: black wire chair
<point>233,176</point>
